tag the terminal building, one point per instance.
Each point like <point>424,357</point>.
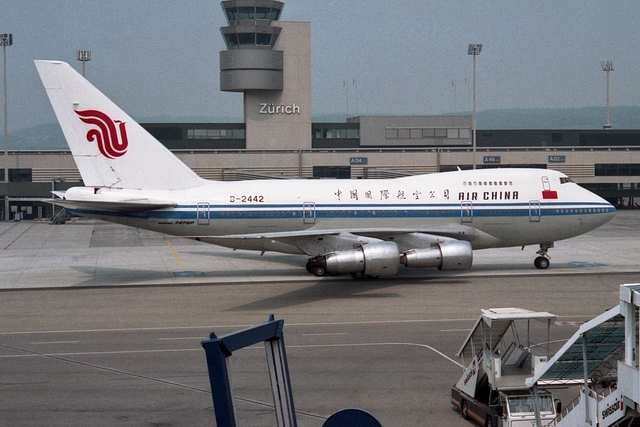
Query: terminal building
<point>269,62</point>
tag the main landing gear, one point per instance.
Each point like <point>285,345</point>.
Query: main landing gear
<point>542,262</point>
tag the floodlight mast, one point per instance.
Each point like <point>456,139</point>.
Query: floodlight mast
<point>608,67</point>
<point>474,50</point>
<point>6,40</point>
<point>84,56</point>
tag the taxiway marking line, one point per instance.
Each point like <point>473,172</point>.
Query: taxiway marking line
<point>241,326</point>
<point>376,344</point>
<point>175,253</point>
<point>324,335</point>
<point>54,342</point>
<point>16,239</point>
<point>182,338</point>
<point>60,358</point>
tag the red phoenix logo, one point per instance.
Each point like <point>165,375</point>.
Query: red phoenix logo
<point>111,139</point>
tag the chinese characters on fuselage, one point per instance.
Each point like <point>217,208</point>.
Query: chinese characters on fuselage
<point>386,194</point>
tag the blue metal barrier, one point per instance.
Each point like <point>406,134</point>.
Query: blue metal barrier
<point>219,349</point>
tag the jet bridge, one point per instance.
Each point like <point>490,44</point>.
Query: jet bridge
<point>600,358</point>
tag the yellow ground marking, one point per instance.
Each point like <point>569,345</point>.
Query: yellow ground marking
<point>175,253</point>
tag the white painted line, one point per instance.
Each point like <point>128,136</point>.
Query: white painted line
<point>54,342</point>
<point>90,353</point>
<point>382,344</point>
<point>324,335</point>
<point>183,338</point>
<point>95,353</point>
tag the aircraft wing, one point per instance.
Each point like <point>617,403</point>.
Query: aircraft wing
<point>124,206</point>
<point>319,241</point>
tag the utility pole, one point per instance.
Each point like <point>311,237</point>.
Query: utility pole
<point>84,56</point>
<point>474,50</point>
<point>608,67</point>
<point>6,40</point>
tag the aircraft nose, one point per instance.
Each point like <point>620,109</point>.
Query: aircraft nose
<point>608,214</point>
<point>601,213</point>
<point>611,212</point>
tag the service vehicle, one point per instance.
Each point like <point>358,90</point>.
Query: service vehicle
<point>492,389</point>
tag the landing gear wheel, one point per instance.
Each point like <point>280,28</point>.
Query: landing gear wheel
<point>541,263</point>
<point>319,271</point>
<point>543,260</point>
<point>358,275</point>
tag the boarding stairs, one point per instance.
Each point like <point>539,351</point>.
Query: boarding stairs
<point>600,409</point>
<point>600,358</point>
<point>60,217</point>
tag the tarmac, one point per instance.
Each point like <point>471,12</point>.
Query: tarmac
<point>101,324</point>
<point>87,253</point>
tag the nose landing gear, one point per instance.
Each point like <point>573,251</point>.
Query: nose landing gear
<point>542,262</point>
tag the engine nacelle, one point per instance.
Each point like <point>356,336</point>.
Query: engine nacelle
<point>373,259</point>
<point>450,255</point>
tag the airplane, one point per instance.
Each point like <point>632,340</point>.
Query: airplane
<point>366,228</point>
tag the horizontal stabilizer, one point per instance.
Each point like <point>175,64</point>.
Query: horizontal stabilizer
<point>120,206</point>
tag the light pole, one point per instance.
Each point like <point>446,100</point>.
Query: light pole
<point>6,40</point>
<point>474,50</point>
<point>607,66</point>
<point>84,56</point>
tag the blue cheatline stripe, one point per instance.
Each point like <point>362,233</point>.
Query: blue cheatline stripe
<point>485,210</point>
<point>351,206</point>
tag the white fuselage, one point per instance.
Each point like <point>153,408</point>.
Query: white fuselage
<point>507,207</point>
<point>361,227</point>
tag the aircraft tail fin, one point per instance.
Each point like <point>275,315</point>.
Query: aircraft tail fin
<point>109,147</point>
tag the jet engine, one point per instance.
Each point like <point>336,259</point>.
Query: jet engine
<point>373,259</point>
<point>449,255</point>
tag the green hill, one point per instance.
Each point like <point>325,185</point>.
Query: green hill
<point>565,118</point>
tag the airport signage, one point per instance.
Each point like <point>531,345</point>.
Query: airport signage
<point>358,160</point>
<point>557,159</point>
<point>491,159</point>
<point>273,109</point>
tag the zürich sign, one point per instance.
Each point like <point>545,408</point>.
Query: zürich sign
<point>271,108</point>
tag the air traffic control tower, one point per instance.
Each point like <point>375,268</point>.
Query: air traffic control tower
<point>269,61</point>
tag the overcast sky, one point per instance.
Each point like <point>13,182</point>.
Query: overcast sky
<point>160,58</point>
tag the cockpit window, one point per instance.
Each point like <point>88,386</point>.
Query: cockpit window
<point>565,179</point>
